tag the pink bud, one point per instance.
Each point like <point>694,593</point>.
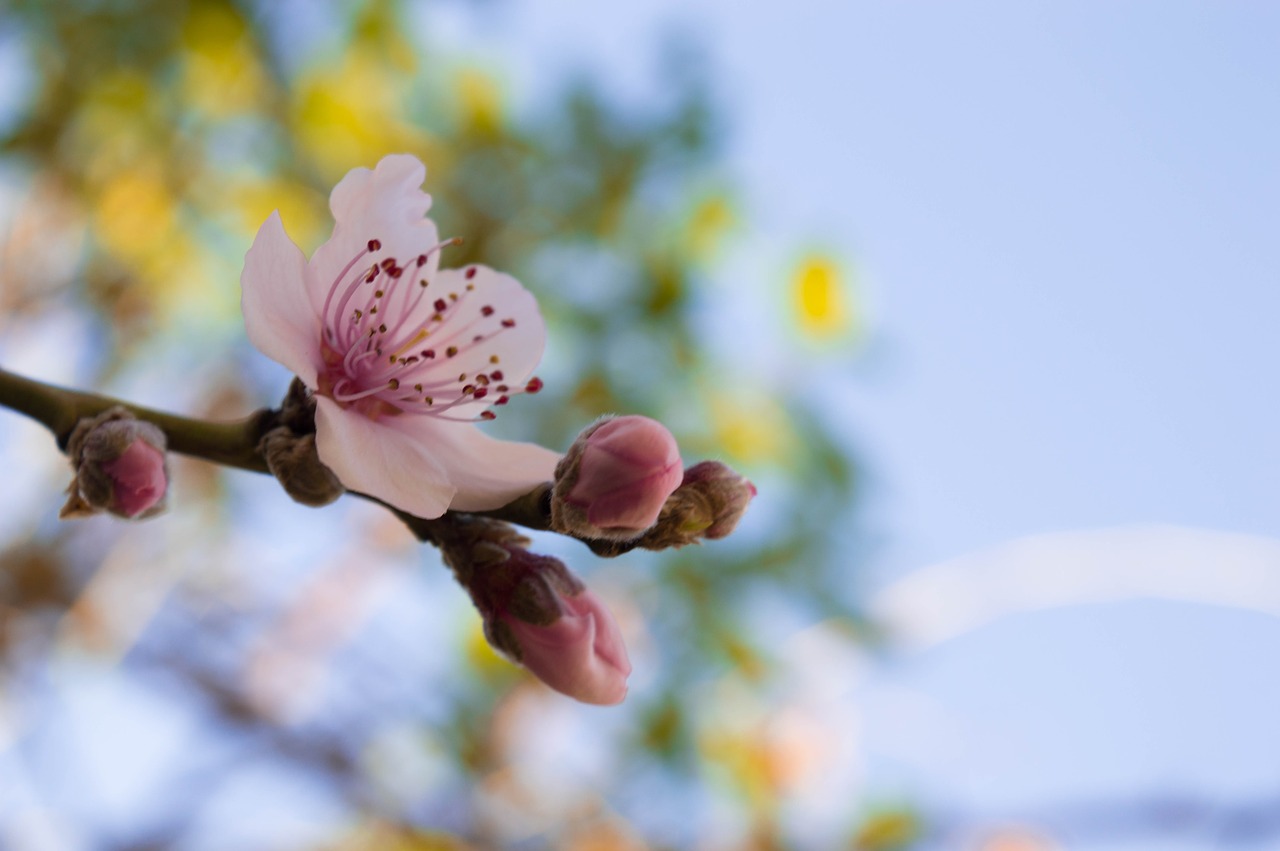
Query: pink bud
<point>580,653</point>
<point>629,466</point>
<point>138,478</point>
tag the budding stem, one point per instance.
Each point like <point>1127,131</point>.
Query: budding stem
<point>232,444</point>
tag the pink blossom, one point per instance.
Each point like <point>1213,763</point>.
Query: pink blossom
<point>629,466</point>
<point>580,653</point>
<point>138,478</point>
<point>403,357</point>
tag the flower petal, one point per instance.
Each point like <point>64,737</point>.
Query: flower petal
<point>383,458</point>
<point>278,312</point>
<point>486,300</point>
<point>386,204</point>
<point>496,308</point>
<point>487,472</point>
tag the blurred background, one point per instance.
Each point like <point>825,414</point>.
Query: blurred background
<point>982,296</point>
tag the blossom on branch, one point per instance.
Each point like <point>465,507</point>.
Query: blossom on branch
<point>404,358</point>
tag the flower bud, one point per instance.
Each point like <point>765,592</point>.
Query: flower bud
<point>615,478</point>
<point>726,495</point>
<point>578,652</point>
<point>120,467</point>
<point>536,611</point>
<point>293,460</point>
<point>708,504</point>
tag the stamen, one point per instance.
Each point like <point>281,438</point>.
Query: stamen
<point>379,359</point>
<point>364,394</point>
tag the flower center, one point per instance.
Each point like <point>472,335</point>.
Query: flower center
<point>382,361</point>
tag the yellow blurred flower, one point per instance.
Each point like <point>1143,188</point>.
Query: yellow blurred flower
<point>115,127</point>
<point>136,219</point>
<point>134,213</point>
<point>221,74</point>
<point>820,298</point>
<point>888,830</point>
<point>352,112</point>
<point>479,100</point>
<point>303,210</point>
<point>709,223</point>
<point>751,429</point>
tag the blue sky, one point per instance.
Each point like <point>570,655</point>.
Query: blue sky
<point>1064,220</point>
<point>1063,217</point>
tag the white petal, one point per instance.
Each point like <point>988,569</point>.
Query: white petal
<point>383,458</point>
<point>517,349</point>
<point>397,177</point>
<point>487,472</point>
<point>278,312</point>
<point>520,347</point>
<point>386,204</point>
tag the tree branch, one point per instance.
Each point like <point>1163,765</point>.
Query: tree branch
<point>232,444</point>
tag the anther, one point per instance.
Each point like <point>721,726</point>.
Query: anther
<point>496,375</point>
<point>451,351</point>
<point>471,272</point>
<point>488,415</point>
<point>388,264</point>
<point>487,310</point>
<point>422,260</point>
<point>534,385</point>
<point>480,393</point>
<point>374,244</point>
<point>440,304</point>
<point>393,384</point>
<point>502,400</point>
<point>508,323</point>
